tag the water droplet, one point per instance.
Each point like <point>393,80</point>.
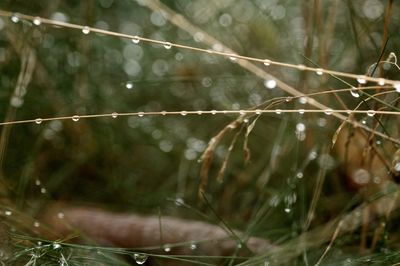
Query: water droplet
<point>140,114</point>
<point>114,115</point>
<point>328,111</point>
<point>56,246</point>
<point>167,248</point>
<point>60,215</point>
<point>303,100</point>
<point>361,79</point>
<point>37,182</point>
<point>246,120</point>
<point>135,39</point>
<point>258,112</point>
<point>288,99</point>
<point>270,84</point>
<point>8,213</point>
<point>36,224</point>
<point>371,112</point>
<point>301,67</point>
<point>381,82</point>
<point>213,112</point>
<point>38,121</point>
<point>37,21</point>
<point>75,118</point>
<point>287,210</point>
<point>183,113</point>
<point>267,62</point>
<point>242,112</point>
<point>397,167</point>
<point>239,245</point>
<point>199,112</point>
<point>43,190</point>
<point>299,175</point>
<point>140,258</point>
<point>85,30</point>
<point>193,246</point>
<point>129,85</point>
<point>15,18</point>
<point>163,112</point>
<point>278,111</point>
<point>397,86</point>
<point>354,92</point>
<point>319,71</point>
<point>167,45</point>
<point>300,127</point>
<point>301,111</point>
<point>233,57</point>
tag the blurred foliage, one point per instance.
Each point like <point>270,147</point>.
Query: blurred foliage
<point>143,164</point>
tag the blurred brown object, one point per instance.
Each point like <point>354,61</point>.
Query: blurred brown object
<point>137,231</point>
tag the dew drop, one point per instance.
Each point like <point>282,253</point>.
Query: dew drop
<point>36,224</point>
<point>37,182</point>
<point>37,21</point>
<point>183,113</point>
<point>135,39</point>
<point>303,100</point>
<point>43,190</point>
<point>267,62</point>
<point>301,111</point>
<point>361,79</point>
<point>381,82</point>
<point>246,120</point>
<point>193,246</point>
<point>163,112</point>
<point>167,248</point>
<point>85,30</point>
<point>114,115</point>
<point>354,92</point>
<point>38,121</point>
<point>167,45</point>
<point>299,175</point>
<point>140,258</point>
<point>242,112</point>
<point>239,245</point>
<point>397,86</point>
<point>233,58</point>
<point>129,85</point>
<point>319,71</point>
<point>301,67</point>
<point>8,213</point>
<point>15,18</point>
<point>56,246</point>
<point>300,127</point>
<point>371,113</point>
<point>140,114</point>
<point>60,215</point>
<point>258,111</point>
<point>287,210</point>
<point>213,112</point>
<point>270,84</point>
<point>278,111</point>
<point>75,118</point>
<point>199,112</point>
<point>328,111</point>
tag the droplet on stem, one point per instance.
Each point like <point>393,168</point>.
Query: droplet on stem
<point>85,30</point>
<point>114,115</point>
<point>140,258</point>
<point>381,82</point>
<point>167,45</point>
<point>301,111</point>
<point>135,39</point>
<point>183,113</point>
<point>361,79</point>
<point>267,62</point>
<point>371,113</point>
<point>278,111</point>
<point>319,71</point>
<point>140,114</point>
<point>38,121</point>
<point>328,111</point>
<point>75,118</point>
<point>397,86</point>
<point>15,18</point>
<point>37,21</point>
<point>301,67</point>
<point>354,92</point>
<point>258,112</point>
